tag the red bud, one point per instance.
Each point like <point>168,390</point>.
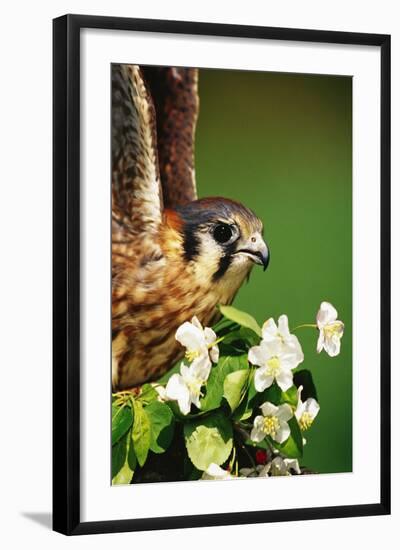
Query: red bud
<point>261,456</point>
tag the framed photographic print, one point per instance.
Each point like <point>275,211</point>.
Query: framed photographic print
<point>221,274</point>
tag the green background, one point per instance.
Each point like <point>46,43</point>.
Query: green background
<point>282,145</point>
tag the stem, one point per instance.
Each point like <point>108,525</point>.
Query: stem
<point>271,447</point>
<point>217,341</point>
<point>242,435</point>
<point>232,460</point>
<point>244,425</point>
<point>153,386</point>
<point>307,325</point>
<point>122,393</point>
<point>243,447</point>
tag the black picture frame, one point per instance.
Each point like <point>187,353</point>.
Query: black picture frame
<point>66,273</point>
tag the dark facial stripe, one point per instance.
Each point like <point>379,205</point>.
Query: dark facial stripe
<point>223,266</point>
<point>225,261</point>
<point>191,243</point>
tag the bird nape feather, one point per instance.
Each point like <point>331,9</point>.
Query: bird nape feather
<point>173,255</point>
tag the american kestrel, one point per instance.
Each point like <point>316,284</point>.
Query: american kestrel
<point>173,255</point>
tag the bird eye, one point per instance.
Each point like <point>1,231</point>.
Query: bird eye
<point>223,233</point>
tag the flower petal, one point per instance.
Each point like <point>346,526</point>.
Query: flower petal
<point>292,346</point>
<point>214,354</point>
<point>257,356</point>
<point>284,379</point>
<point>184,402</point>
<point>190,336</point>
<point>269,409</point>
<point>273,348</point>
<point>262,380</point>
<point>269,330</point>
<point>339,328</point>
<point>301,407</point>
<point>326,314</point>
<point>195,397</point>
<point>161,392</point>
<point>265,470</point>
<point>332,346</point>
<point>283,326</point>
<point>312,407</point>
<point>257,433</point>
<point>283,432</point>
<point>209,335</point>
<point>292,464</point>
<point>284,412</point>
<point>248,472</point>
<point>278,467</point>
<point>177,390</point>
<point>200,367</point>
<point>216,472</point>
<point>321,341</point>
<point>195,322</point>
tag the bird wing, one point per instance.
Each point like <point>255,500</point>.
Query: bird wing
<point>136,189</point>
<point>175,97</point>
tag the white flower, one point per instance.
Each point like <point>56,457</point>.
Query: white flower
<point>273,422</point>
<point>277,355</point>
<point>261,470</point>
<point>330,329</point>
<point>276,361</point>
<point>216,472</point>
<point>306,411</point>
<point>161,392</point>
<point>200,343</point>
<point>277,467</point>
<point>283,466</point>
<point>186,386</point>
<point>271,332</point>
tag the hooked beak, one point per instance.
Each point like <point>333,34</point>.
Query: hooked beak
<point>256,249</point>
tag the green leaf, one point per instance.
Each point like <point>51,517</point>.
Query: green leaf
<point>304,378</point>
<point>248,404</point>
<point>141,433</point>
<point>122,419</point>
<point>125,473</point>
<point>242,336</point>
<point>234,385</point>
<point>233,349</point>
<point>118,456</point>
<point>208,440</point>
<point>147,393</point>
<point>241,318</point>
<point>272,394</point>
<point>290,396</point>
<point>238,341</point>
<point>242,412</point>
<point>293,446</point>
<point>263,444</point>
<point>162,426</point>
<point>132,459</point>
<point>223,326</point>
<point>215,382</point>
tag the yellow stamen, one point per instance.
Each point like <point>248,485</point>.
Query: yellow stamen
<point>305,421</point>
<point>333,328</point>
<point>273,366</point>
<point>271,425</point>
<point>191,355</point>
<point>194,386</point>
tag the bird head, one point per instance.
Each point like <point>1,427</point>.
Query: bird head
<point>222,237</point>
